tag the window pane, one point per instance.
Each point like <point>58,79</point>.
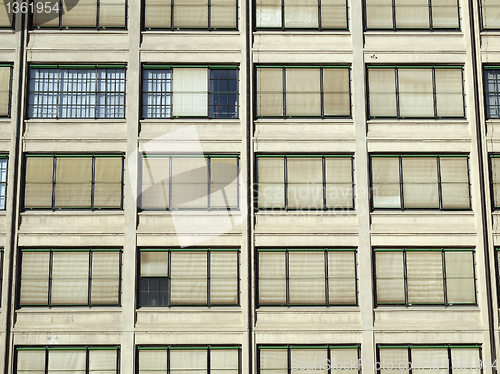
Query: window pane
<point>224,182</point>
<point>39,174</point>
<point>157,14</point>
<point>189,278</point>
<point>347,356</point>
<point>155,183</point>
<point>301,14</point>
<point>460,277</point>
<point>70,278</point>
<point>4,89</point>
<point>73,182</point>
<point>66,362</point>
<point>342,277</point>
<point>378,16</point>
<point>386,191</point>
<point>105,283</point>
<point>389,270</point>
<point>153,361</point>
<point>305,183</point>
<point>223,14</point>
<point>434,360</point>
<point>82,13</point>
<point>224,278</point>
<point>336,92</point>
<point>449,94</point>
<point>268,13</point>
<point>6,17</point>
<point>454,182</point>
<point>445,14</point>
<point>102,362</point>
<point>394,355</point>
<point>154,264</point>
<point>492,92</point>
<point>272,278</point>
<point>35,278</point>
<point>307,278</point>
<point>50,19</point>
<point>333,14</point>
<point>271,182</point>
<point>382,92</point>
<point>412,14</point>
<point>339,182</point>
<point>425,277</point>
<point>269,92</point>
<point>415,92</point>
<point>30,362</point>
<point>224,361</point>
<point>108,182</point>
<point>420,182</point>
<point>190,90</point>
<point>188,361</point>
<point>157,93</point>
<point>223,93</point>
<point>112,13</point>
<point>273,361</point>
<point>191,14</point>
<point>491,14</point>
<point>315,356</point>
<point>189,183</point>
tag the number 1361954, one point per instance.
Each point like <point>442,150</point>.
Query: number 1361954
<point>25,7</point>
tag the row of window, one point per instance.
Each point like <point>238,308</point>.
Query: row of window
<point>210,277</point>
<point>178,359</point>
<point>269,14</point>
<point>196,91</point>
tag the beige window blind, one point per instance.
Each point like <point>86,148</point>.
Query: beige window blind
<point>153,361</point>
<point>31,362</point>
<point>301,14</point>
<point>35,278</point>
<point>155,183</point>
<point>303,91</point>
<point>382,92</point>
<point>223,278</point>
<point>412,14</point>
<point>345,355</point>
<point>190,13</point>
<point>224,182</point>
<point>271,182</point>
<point>305,183</point>
<point>269,92</point>
<point>102,362</point>
<point>188,361</point>
<point>469,355</point>
<point>491,14</point>
<point>108,182</point>
<point>389,268</point>
<point>273,361</point>
<point>460,277</point>
<point>39,178</point>
<point>333,14</point>
<point>415,92</point>
<point>189,182</point>
<point>79,13</point>
<point>336,96</point>
<point>189,278</point>
<point>157,14</point>
<point>342,277</point>
<point>43,19</point>
<point>495,180</point>
<point>394,355</point>
<point>224,361</point>
<point>379,14</point>
<point>61,361</point>
<point>314,355</point>
<point>454,182</point>
<point>190,85</point>
<point>4,88</point>
<point>420,182</point>
<point>223,14</point>
<point>386,182</point>
<point>307,278</point>
<point>70,278</point>
<point>6,17</point>
<point>449,93</point>
<point>112,13</point>
<point>445,14</point>
<point>73,182</point>
<point>268,13</point>
<point>105,278</point>
<point>430,359</point>
<point>425,277</point>
<point>154,264</point>
<point>272,278</point>
<point>338,172</point>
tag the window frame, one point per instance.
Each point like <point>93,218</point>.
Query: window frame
<point>486,92</point>
<point>413,29</point>
<point>54,182</point>
<point>492,188</point>
<point>61,27</point>
<point>48,348</point>
<point>481,19</point>
<point>396,68</point>
<point>89,304</point>
<point>284,67</point>
<point>301,29</point>
<point>401,182</point>
<point>6,158</point>
<point>324,156</point>
<point>405,277</point>
<point>169,276</point>
<point>143,106</point>
<point>209,170</point>
<point>10,88</point>
<point>325,251</point>
<point>58,106</point>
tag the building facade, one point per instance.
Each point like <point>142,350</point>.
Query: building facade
<point>249,187</point>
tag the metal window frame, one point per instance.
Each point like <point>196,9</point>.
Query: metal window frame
<point>404,251</point>
<point>51,251</point>
<point>401,181</point>
<point>96,27</point>
<point>9,89</point>
<point>287,251</point>
<point>208,251</point>
<point>6,158</point>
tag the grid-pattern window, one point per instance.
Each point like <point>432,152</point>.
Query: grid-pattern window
<point>334,359</point>
<point>415,276</point>
<point>415,92</point>
<point>305,182</point>
<point>301,277</point>
<point>412,15</point>
<point>6,14</point>
<point>490,14</point>
<point>3,181</point>
<point>303,91</point>
<point>77,91</point>
<point>65,14</point>
<point>492,91</point>
<point>73,181</point>
<point>196,277</point>
<point>184,359</point>
<point>301,14</point>
<point>196,91</point>
<point>67,359</point>
<point>420,182</point>
<point>70,277</point>
<point>190,14</point>
<point>419,359</point>
<point>197,182</point>
<point>5,89</point>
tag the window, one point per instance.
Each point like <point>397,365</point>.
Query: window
<point>70,277</point>
<point>415,92</point>
<point>301,14</point>
<point>176,92</point>
<point>100,14</point>
<point>182,359</point>
<point>5,89</point>
<point>412,15</point>
<point>300,182</point>
<point>490,12</point>
<point>327,358</point>
<point>492,91</point>
<point>303,91</point>
<point>192,14</point>
<point>419,359</point>
<point>6,16</point>
<point>69,359</point>
<point>72,91</point>
<point>495,180</point>
<point>176,277</point>
<point>3,181</point>
<point>295,277</point>
<point>420,182</point>
<point>73,181</point>
<point>197,182</point>
<point>415,276</point>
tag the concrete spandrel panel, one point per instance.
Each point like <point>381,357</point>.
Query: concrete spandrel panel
<point>276,42</point>
<point>408,129</point>
<point>77,130</point>
<point>191,41</point>
<point>427,42</point>
<point>490,43</point>
<point>81,41</point>
<point>33,319</point>
<point>304,130</point>
<point>327,222</point>
<point>8,42</point>
<point>170,319</point>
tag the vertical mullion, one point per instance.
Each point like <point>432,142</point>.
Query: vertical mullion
<point>474,271</point>
<point>209,181</point>
<point>168,359</point>
<point>405,277</point>
<point>443,265</point>
<point>327,282</point>
<point>323,164</point>
<point>87,358</point>
<point>434,98</point>
<point>285,163</point>
<point>287,276</point>
<point>353,183</point>
<point>98,18</point>
<point>283,17</point>
<point>322,91</point>
<point>284,87</point>
<point>54,176</point>
<point>450,367</point>
<point>209,21</point>
<point>96,92</point>
<point>410,369</point>
<point>46,360</point>
<point>440,190</point>
<point>90,274</point>
<point>289,360</point>
<point>430,16</point>
<point>208,352</point>
<point>394,25</point>
<point>169,282</point>
<point>49,298</point>
<point>396,74</point>
<point>319,15</point>
<point>401,186</point>
<point>172,14</point>
<point>208,278</point>
<point>58,89</point>
<point>170,202</point>
<point>92,184</point>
